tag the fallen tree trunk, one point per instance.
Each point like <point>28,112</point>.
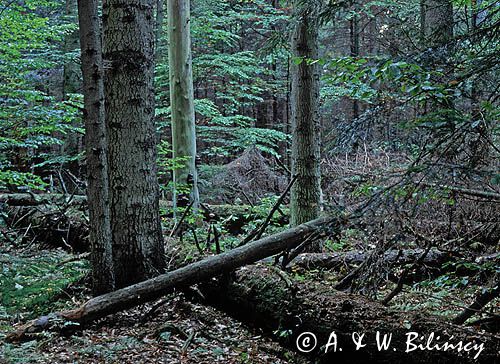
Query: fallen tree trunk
<point>62,219</point>
<point>31,199</point>
<point>336,261</point>
<point>210,267</point>
<point>262,298</point>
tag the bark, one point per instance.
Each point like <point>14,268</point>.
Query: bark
<point>306,192</point>
<point>158,28</point>
<point>437,21</point>
<point>134,193</point>
<point>182,102</point>
<point>263,297</point>
<point>183,277</point>
<point>96,148</point>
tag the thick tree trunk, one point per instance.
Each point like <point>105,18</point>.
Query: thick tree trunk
<point>182,102</point>
<point>138,251</point>
<point>306,192</point>
<point>96,148</point>
<point>437,21</point>
<point>261,297</point>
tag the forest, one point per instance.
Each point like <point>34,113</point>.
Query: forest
<point>249,181</point>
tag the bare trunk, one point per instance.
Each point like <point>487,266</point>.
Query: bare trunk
<point>182,102</point>
<point>306,192</point>
<point>138,251</point>
<point>96,148</point>
<point>437,21</point>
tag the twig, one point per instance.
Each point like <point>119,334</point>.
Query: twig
<point>73,259</point>
<point>186,211</point>
<point>257,232</point>
<point>195,237</point>
<point>400,284</point>
<point>481,300</point>
<point>287,258</point>
<point>153,309</point>
<point>282,275</point>
<point>188,342</point>
<point>216,239</point>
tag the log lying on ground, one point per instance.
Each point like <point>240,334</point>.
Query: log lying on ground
<point>61,219</point>
<point>197,272</point>
<point>31,199</point>
<point>261,297</point>
<point>336,261</point>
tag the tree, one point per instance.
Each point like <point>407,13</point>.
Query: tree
<point>437,21</point>
<point>138,251</point>
<point>96,147</point>
<point>306,192</point>
<point>182,102</point>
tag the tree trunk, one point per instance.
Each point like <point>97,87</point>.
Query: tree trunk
<point>306,192</point>
<point>138,251</point>
<point>437,21</point>
<point>96,148</point>
<point>182,102</point>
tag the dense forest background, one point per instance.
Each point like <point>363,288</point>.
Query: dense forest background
<point>403,142</point>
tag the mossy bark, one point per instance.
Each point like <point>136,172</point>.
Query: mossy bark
<point>182,103</point>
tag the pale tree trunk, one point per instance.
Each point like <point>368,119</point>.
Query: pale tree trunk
<point>96,148</point>
<point>138,251</point>
<point>182,101</point>
<point>306,192</point>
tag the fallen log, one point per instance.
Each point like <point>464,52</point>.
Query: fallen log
<point>31,199</point>
<point>61,220</point>
<point>183,277</point>
<point>264,299</point>
<point>336,261</point>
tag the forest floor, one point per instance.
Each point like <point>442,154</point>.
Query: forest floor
<point>169,330</point>
<point>173,329</point>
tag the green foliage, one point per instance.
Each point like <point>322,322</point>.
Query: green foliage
<point>28,285</point>
<point>229,75</point>
<point>31,119</point>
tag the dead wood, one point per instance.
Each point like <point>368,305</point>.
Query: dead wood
<point>183,277</point>
<point>337,261</point>
<point>262,298</point>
